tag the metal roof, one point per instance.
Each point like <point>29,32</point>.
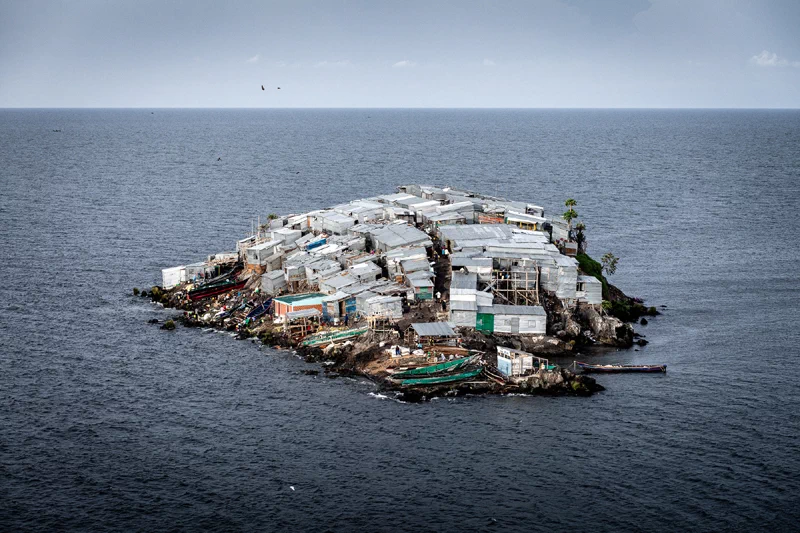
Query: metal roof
<point>456,262</point>
<point>337,281</point>
<point>413,265</point>
<point>589,279</point>
<point>300,299</point>
<point>463,280</point>
<point>476,232</point>
<point>395,235</point>
<point>434,329</point>
<point>337,297</point>
<point>420,282</point>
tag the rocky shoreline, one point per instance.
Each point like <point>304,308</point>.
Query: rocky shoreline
<point>571,329</point>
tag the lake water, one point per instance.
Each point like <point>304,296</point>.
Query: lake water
<point>109,423</point>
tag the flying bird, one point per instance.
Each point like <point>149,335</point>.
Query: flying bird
<point>279,88</point>
<point>262,88</point>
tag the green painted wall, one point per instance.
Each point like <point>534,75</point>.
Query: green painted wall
<point>484,322</point>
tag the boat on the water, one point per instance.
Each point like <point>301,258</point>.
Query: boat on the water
<point>446,378</point>
<point>447,366</point>
<point>213,289</point>
<point>586,367</point>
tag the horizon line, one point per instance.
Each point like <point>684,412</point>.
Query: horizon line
<point>609,108</point>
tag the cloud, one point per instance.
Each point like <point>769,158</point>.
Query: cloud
<point>488,63</point>
<point>404,64</point>
<point>767,59</point>
<point>334,64</point>
<point>254,59</point>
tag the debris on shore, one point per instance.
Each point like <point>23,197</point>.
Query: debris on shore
<point>429,292</point>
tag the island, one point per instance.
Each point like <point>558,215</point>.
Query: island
<point>429,291</point>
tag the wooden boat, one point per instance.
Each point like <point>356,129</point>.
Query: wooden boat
<point>327,338</point>
<point>213,289</point>
<point>438,380</point>
<point>447,366</point>
<point>586,367</point>
<point>259,310</point>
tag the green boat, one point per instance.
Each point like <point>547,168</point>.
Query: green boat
<point>326,338</point>
<point>442,379</point>
<point>447,366</point>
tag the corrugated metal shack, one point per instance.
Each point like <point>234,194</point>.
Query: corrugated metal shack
<point>433,332</point>
<point>399,235</point>
<point>297,302</point>
<point>365,271</point>
<point>335,283</point>
<point>589,290</point>
<point>338,305</point>
<point>273,283</point>
<point>421,285</point>
<point>464,299</point>
<point>513,319</point>
<point>389,307</point>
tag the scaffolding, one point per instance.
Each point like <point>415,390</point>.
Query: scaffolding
<point>517,284</point>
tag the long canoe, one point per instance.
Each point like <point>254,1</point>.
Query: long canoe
<point>448,378</point>
<point>326,338</point>
<point>586,367</point>
<point>447,366</point>
<point>207,291</point>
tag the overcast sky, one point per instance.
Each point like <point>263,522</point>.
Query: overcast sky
<point>409,53</point>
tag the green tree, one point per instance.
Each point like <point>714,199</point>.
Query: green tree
<point>272,216</point>
<point>580,236</point>
<point>570,214</point>
<point>609,262</point>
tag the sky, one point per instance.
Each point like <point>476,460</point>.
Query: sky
<point>409,53</point>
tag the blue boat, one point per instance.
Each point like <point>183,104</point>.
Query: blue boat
<point>259,310</point>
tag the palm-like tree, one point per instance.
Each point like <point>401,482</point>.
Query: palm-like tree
<point>570,214</point>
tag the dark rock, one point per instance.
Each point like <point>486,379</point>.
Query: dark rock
<point>643,321</point>
<point>169,325</point>
<point>153,321</point>
<point>641,342</point>
<point>310,372</point>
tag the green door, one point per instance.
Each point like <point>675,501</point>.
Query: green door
<point>485,322</point>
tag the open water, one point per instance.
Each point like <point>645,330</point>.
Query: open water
<point>108,423</point>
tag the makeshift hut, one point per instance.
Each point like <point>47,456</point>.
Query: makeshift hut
<point>589,290</point>
<point>511,362</point>
<point>297,302</point>
<point>337,306</point>
<point>432,333</point>
<point>273,282</point>
<point>513,319</point>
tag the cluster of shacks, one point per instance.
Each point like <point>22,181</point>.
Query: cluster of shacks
<point>363,259</point>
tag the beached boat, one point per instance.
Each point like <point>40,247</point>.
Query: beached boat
<point>259,310</point>
<point>586,367</point>
<point>447,366</point>
<point>327,338</point>
<point>438,380</point>
<point>213,289</point>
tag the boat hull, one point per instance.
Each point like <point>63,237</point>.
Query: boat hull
<point>613,369</point>
<point>207,292</point>
<point>439,380</point>
<point>447,366</point>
